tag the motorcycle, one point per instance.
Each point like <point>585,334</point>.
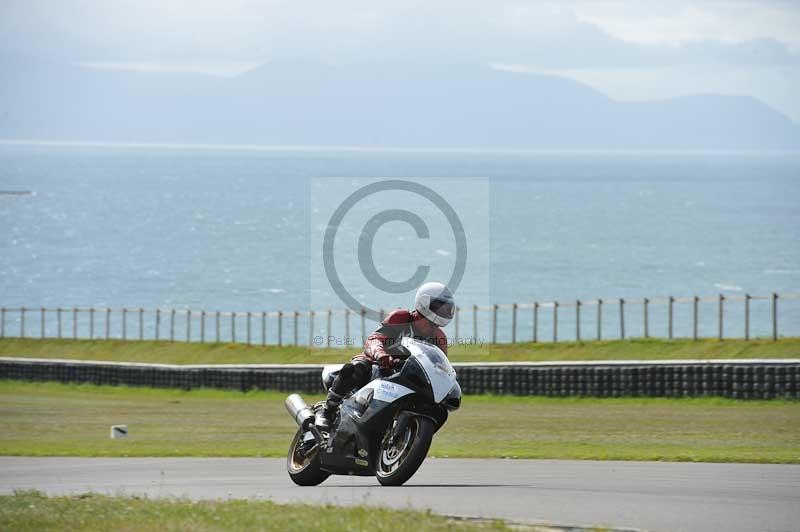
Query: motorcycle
<point>383,429</point>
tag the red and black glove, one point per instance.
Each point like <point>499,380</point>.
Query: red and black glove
<point>386,364</point>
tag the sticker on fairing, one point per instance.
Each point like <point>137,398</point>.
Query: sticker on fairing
<point>388,391</point>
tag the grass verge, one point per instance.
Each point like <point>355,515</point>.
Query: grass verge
<point>225,353</point>
<point>32,511</point>
<point>42,419</point>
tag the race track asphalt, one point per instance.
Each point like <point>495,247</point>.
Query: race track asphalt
<point>655,496</point>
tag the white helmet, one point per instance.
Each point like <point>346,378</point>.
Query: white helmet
<point>435,302</point>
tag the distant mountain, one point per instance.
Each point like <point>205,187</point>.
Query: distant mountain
<point>366,105</point>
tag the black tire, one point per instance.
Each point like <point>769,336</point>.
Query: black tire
<point>410,458</point>
<point>306,471</point>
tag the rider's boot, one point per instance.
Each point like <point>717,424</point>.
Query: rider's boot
<point>325,416</point>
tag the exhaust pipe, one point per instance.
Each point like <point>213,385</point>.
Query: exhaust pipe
<point>298,409</point>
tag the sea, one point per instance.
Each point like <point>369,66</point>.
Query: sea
<point>243,228</point>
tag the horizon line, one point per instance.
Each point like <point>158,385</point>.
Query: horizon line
<point>394,149</point>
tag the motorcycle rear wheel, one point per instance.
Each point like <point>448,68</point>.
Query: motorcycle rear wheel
<point>398,463</point>
<point>304,470</point>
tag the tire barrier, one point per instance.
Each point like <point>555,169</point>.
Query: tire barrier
<point>737,379</point>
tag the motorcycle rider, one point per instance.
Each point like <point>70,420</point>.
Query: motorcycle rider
<point>433,309</point>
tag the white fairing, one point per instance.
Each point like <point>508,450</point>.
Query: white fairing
<point>440,372</point>
<point>387,391</point>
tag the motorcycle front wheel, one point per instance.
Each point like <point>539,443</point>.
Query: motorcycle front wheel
<point>304,469</point>
<point>398,462</point>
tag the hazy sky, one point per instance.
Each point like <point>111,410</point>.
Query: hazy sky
<point>629,50</point>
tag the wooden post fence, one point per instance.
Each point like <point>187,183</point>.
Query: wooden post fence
<point>280,328</point>
<point>747,317</point>
<point>494,324</point>
<point>249,338</point>
<point>599,319</point>
<point>774,317</point>
<point>670,318</point>
<point>514,323</point>
<point>555,321</point>
<point>346,326</point>
<point>475,321</point>
<point>508,332</point>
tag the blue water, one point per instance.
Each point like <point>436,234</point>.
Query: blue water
<point>238,229</point>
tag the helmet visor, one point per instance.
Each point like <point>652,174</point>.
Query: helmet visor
<point>442,308</point>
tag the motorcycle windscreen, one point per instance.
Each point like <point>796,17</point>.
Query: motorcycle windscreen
<point>440,372</point>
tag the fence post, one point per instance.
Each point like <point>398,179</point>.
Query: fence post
<point>108,323</point>
<point>3,322</point>
<point>58,322</point>
<point>475,321</point>
<point>310,327</point>
<point>124,323</point>
<point>555,321</point>
<point>141,323</point>
<point>188,325</point>
<point>774,316</point>
<point>172,325</point>
<point>328,326</point>
<point>494,323</point>
<point>74,323</point>
<point>363,323</point>
<point>295,326</point>
<point>578,320</point>
<point>216,326</point>
<point>263,328</point>
<point>248,328</point>
<point>695,312</point>
<point>622,318</point>
<point>346,326</point>
<point>202,326</point>
<point>233,327</point>
<point>747,317</point>
<point>671,318</point>
<point>41,319</point>
<point>456,320</point>
<point>91,322</point>
<point>535,321</point>
<point>158,324</point>
<point>721,328</point>
<point>280,327</point>
<point>514,324</point>
<point>599,319</point>
<point>22,322</point>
